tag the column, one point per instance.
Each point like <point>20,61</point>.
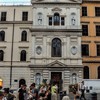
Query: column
<point>44,46</point>
<point>33,49</point>
<point>34,16</point>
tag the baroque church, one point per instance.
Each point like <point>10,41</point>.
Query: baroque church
<point>45,43</point>
<point>56,38</point>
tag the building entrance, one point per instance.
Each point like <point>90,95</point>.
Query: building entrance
<point>57,78</point>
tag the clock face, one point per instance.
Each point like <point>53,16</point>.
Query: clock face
<point>73,50</point>
<point>38,50</point>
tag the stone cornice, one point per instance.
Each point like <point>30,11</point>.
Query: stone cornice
<point>91,1</point>
<point>59,67</point>
<point>3,28</point>
<point>86,41</point>
<point>97,42</point>
<point>71,2</point>
<point>91,61</point>
<point>14,66</point>
<point>16,22</point>
<point>56,58</point>
<point>24,47</point>
<point>3,47</point>
<point>15,5</point>
<point>67,6</point>
<point>97,22</point>
<point>54,30</point>
<point>56,33</point>
<point>85,22</point>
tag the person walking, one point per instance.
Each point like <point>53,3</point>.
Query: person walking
<point>1,95</point>
<point>54,92</point>
<point>82,88</point>
<point>22,93</point>
<point>8,95</point>
<point>34,92</point>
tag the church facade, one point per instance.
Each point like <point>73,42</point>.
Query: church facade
<point>42,43</point>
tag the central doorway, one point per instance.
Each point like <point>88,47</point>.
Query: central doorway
<point>57,78</point>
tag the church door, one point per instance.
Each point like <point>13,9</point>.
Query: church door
<point>57,78</point>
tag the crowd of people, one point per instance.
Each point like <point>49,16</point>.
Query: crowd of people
<point>25,93</point>
<point>78,90</point>
<point>44,92</point>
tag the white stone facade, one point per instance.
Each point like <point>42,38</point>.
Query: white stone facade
<point>39,63</point>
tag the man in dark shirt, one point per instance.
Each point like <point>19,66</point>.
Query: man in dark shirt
<point>34,92</point>
<point>8,95</point>
<point>82,91</point>
<point>22,92</point>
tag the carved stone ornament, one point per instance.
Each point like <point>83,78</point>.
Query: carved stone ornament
<point>36,0</point>
<point>56,9</point>
<point>38,50</point>
<point>73,50</point>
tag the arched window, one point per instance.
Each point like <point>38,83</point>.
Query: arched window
<point>56,47</point>
<point>23,55</point>
<point>38,78</point>
<point>40,18</point>
<point>2,36</point>
<point>21,82</point>
<point>99,72</point>
<point>56,19</point>
<point>24,36</point>
<point>86,72</point>
<point>1,55</point>
<point>74,78</point>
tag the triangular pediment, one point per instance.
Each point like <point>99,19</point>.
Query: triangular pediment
<point>56,9</point>
<point>56,64</point>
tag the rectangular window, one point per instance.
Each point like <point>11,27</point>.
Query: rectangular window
<point>97,30</point>
<point>84,11</point>
<point>84,30</point>
<point>25,16</point>
<point>62,21</point>
<point>85,50</point>
<point>97,11</point>
<point>50,20</point>
<point>3,16</point>
<point>98,50</point>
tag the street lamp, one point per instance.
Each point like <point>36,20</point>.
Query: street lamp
<point>1,83</point>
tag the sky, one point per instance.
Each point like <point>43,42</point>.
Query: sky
<point>15,1</point>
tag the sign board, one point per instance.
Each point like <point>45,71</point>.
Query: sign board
<point>93,85</point>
